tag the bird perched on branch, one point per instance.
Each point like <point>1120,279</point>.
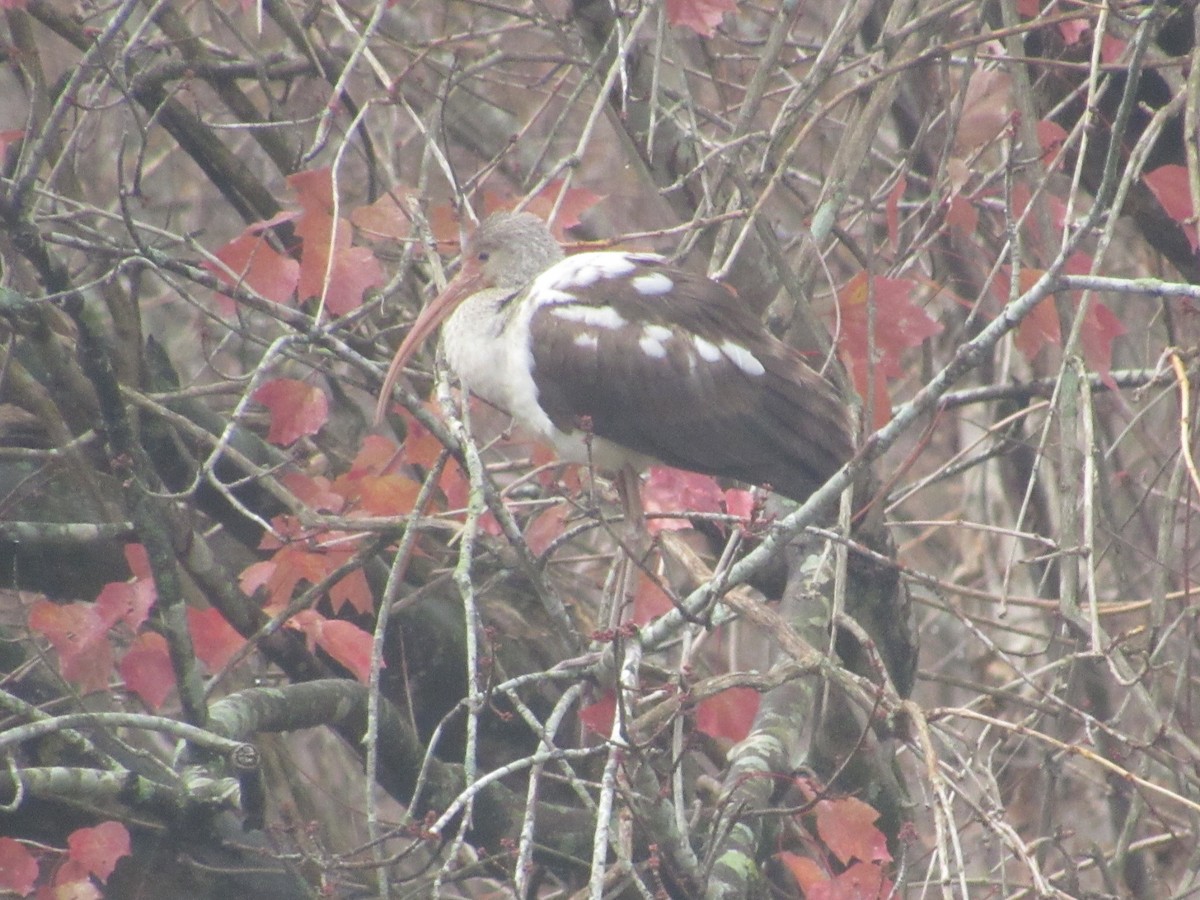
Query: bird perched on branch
<point>621,359</point>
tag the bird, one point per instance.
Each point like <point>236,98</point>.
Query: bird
<point>621,359</point>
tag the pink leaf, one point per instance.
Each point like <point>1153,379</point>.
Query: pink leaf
<point>1100,328</point>
<point>674,490</point>
<point>545,527</point>
<point>128,602</point>
<point>18,868</point>
<point>80,637</point>
<point>728,714</point>
<point>598,717</point>
<point>1169,184</point>
<point>862,881</point>
<point>138,561</point>
<point>1051,136</point>
<point>900,324</point>
<point>355,271</point>
<point>387,217</point>
<point>352,589</point>
<point>146,669</point>
<point>576,202</point>
<point>214,639</point>
<point>99,849</point>
<point>701,16</point>
<point>313,491</point>
<point>649,600</point>
<point>847,826</point>
<point>258,266</point>
<point>349,645</point>
<point>297,409</point>
<point>809,876</point>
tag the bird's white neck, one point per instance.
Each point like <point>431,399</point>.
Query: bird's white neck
<point>473,339</point>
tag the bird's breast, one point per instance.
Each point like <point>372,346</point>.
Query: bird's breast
<point>476,346</point>
<point>487,343</point>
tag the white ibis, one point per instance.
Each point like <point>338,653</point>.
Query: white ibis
<point>622,359</point>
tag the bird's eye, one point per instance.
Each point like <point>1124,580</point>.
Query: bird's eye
<point>483,257</point>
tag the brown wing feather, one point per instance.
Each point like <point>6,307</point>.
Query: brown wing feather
<point>784,426</point>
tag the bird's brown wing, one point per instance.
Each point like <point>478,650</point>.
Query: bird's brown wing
<point>684,375</point>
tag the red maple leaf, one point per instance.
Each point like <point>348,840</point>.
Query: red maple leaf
<point>297,409</point>
<point>808,873</point>
<point>355,271</point>
<point>986,112</point>
<point>386,218</point>
<point>314,491</point>
<point>314,190</point>
<point>138,561</point>
<point>281,573</point>
<point>862,881</point>
<point>1100,328</point>
<point>649,600</point>
<point>421,447</point>
<point>598,717</point>
<point>575,202</point>
<point>456,487</point>
<point>79,635</point>
<point>344,641</point>
<point>900,324</point>
<point>847,826</point>
<point>349,645</point>
<point>71,881</point>
<point>129,601</point>
<point>18,868</point>
<point>545,527</point>
<point>962,214</point>
<point>99,849</point>
<point>352,589</point>
<point>1170,187</point>
<point>257,265</point>
<point>701,16</point>
<point>377,455</point>
<point>1040,328</point>
<point>329,265</point>
<point>146,669</point>
<point>214,640</point>
<point>1051,136</point>
<point>728,714</point>
<point>674,490</point>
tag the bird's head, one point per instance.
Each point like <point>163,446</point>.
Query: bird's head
<point>507,251</point>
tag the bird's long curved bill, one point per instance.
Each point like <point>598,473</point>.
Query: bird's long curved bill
<point>460,287</point>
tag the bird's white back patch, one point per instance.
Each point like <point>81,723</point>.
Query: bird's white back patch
<point>708,351</point>
<point>652,284</point>
<point>549,296</point>
<point>583,270</point>
<point>742,358</point>
<point>596,316</point>
<point>586,340</point>
<point>653,340</point>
